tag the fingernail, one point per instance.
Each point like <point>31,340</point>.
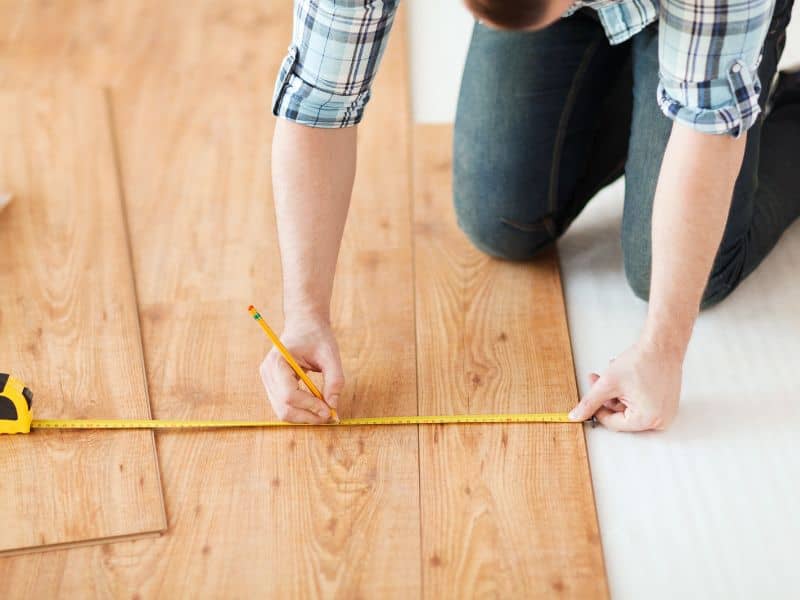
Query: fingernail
<point>573,414</point>
<point>334,400</point>
<point>325,413</point>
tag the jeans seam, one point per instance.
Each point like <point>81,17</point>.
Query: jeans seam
<point>561,132</point>
<point>545,224</point>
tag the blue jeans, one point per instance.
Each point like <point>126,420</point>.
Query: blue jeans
<point>547,118</point>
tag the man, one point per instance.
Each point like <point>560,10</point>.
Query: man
<point>551,110</point>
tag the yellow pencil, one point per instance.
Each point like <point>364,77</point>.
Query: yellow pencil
<point>289,358</point>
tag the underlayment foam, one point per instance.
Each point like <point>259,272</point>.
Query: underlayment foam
<point>708,508</point>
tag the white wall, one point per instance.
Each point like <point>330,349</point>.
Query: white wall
<point>440,31</point>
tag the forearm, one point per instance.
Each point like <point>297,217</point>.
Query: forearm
<point>690,210</point>
<point>312,178</point>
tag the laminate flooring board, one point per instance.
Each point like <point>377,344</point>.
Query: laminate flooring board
<point>286,514</point>
<point>118,42</point>
<point>69,329</point>
<point>507,510</point>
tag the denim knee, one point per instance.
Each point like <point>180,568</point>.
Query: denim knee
<point>498,238</point>
<point>496,235</point>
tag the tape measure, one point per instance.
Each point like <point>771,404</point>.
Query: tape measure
<point>16,417</point>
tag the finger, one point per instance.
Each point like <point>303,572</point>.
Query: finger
<point>610,419</point>
<point>278,381</point>
<point>281,382</point>
<point>614,404</point>
<point>333,374</point>
<point>281,386</point>
<point>619,421</point>
<point>305,401</point>
<point>298,415</point>
<point>600,392</point>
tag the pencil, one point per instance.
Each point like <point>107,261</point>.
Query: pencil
<point>290,359</point>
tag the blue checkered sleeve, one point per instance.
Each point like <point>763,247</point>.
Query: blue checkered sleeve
<point>325,79</point>
<point>709,51</point>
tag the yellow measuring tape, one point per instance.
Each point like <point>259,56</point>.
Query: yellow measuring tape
<point>16,417</point>
<point>215,424</point>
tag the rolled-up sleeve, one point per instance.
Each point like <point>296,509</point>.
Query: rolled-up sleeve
<point>709,52</point>
<point>324,80</point>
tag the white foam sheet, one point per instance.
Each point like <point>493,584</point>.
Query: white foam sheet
<point>711,507</point>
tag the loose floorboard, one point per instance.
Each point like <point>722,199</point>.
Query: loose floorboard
<point>70,329</point>
<point>507,511</point>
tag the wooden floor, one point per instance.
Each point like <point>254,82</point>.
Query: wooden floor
<point>70,329</point>
<point>426,324</point>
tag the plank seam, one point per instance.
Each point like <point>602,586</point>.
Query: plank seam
<point>115,159</point>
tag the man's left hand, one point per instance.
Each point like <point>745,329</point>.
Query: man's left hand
<point>639,390</point>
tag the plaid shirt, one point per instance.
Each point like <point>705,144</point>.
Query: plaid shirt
<point>709,51</point>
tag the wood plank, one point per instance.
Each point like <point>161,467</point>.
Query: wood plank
<point>507,511</point>
<point>304,513</point>
<point>70,328</point>
<point>117,42</point>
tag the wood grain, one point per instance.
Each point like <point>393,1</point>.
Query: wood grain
<point>289,514</point>
<point>70,328</point>
<point>117,42</point>
<point>507,511</point>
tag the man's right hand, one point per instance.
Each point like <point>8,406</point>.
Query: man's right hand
<point>313,345</point>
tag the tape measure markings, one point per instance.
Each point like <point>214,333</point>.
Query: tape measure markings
<point>361,421</point>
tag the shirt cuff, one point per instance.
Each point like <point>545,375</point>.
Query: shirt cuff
<point>299,101</point>
<point>726,105</point>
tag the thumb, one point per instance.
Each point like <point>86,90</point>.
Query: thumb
<point>333,374</point>
<point>599,393</point>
